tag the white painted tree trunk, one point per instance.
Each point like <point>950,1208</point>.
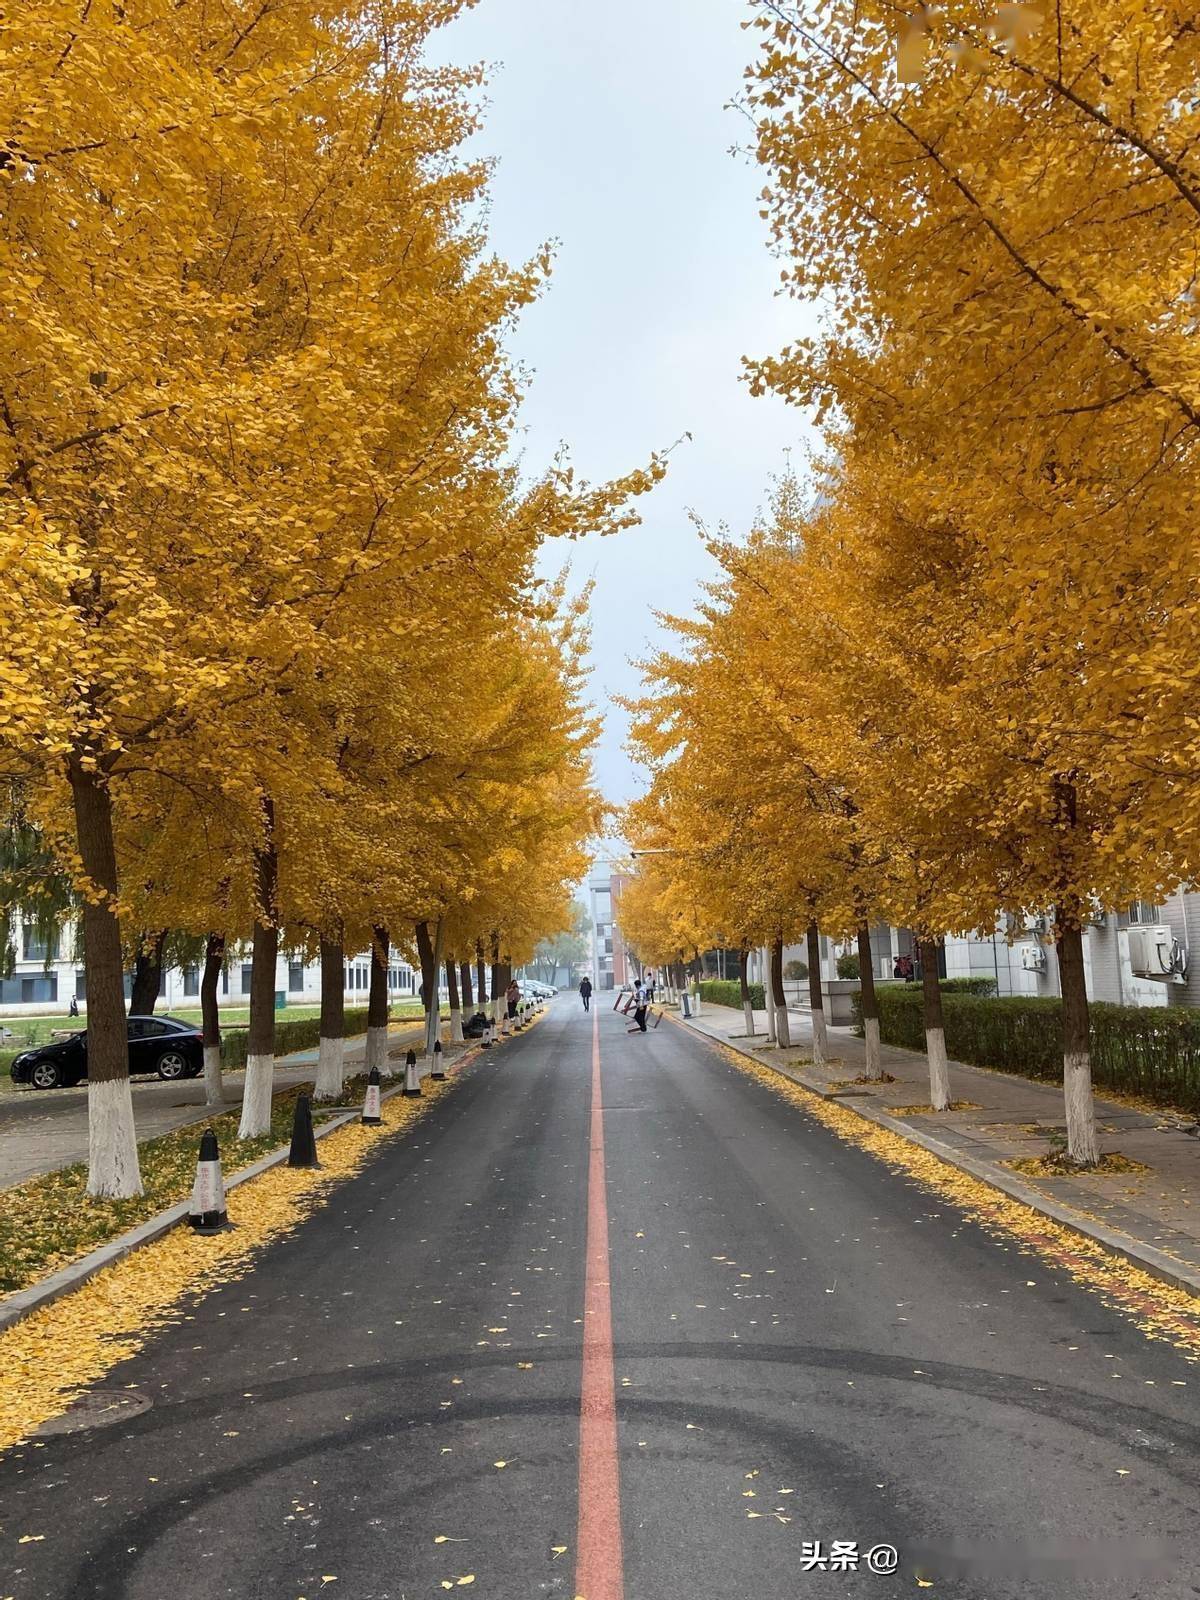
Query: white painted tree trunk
<point>820,1039</point>
<point>1082,1145</point>
<point>770,994</point>
<point>456,1033</point>
<point>256,1097</point>
<point>331,1069</point>
<point>874,1068</point>
<point>214,1089</point>
<point>939,1071</point>
<point>748,1013</point>
<point>112,1141</point>
<point>377,1050</point>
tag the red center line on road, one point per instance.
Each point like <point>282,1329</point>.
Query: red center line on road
<point>599,1571</point>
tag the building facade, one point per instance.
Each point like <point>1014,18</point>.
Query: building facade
<point>46,978</point>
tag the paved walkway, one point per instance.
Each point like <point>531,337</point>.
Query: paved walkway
<point>1012,1119</point>
<point>41,1131</point>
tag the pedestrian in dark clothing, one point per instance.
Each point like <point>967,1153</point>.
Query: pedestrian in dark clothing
<point>585,993</point>
<point>640,1003</point>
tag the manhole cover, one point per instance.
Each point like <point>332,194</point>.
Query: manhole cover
<point>99,1408</point>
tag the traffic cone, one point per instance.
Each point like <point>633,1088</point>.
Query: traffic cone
<point>304,1143</point>
<point>207,1214</point>
<point>370,1110</point>
<point>412,1078</point>
<point>439,1066</point>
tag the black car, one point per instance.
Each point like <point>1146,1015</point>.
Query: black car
<point>164,1045</point>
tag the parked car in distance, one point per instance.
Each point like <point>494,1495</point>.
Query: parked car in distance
<point>162,1045</point>
<point>536,991</point>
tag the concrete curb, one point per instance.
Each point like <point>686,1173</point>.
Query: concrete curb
<point>16,1307</point>
<point>1139,1254</point>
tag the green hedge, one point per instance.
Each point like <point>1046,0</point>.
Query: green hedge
<point>1151,1051</point>
<point>722,992</point>
<point>301,1033</point>
<point>981,986</point>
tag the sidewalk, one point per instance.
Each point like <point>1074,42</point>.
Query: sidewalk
<point>42,1131</point>
<point>1150,1216</point>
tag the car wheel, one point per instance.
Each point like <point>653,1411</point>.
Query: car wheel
<point>172,1065</point>
<point>45,1075</point>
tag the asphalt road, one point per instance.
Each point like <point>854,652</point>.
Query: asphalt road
<point>805,1347</point>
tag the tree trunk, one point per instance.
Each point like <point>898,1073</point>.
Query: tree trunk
<point>113,1171</point>
<point>1082,1144</point>
<point>429,983</point>
<point>210,1014</point>
<point>260,1047</point>
<point>331,1051</point>
<point>147,975</point>
<point>468,1000</point>
<point>870,1005</point>
<point>497,988</point>
<point>377,1003</point>
<point>816,1001</point>
<point>935,1032</point>
<point>747,1006</point>
<point>769,989</point>
<point>433,1017</point>
<point>783,1034</point>
<point>456,1033</point>
<point>481,977</point>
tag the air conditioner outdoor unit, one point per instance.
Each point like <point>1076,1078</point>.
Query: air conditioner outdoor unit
<point>1154,952</point>
<point>1033,958</point>
<point>1031,926</point>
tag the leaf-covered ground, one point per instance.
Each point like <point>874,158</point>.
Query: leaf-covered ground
<point>50,1221</point>
<point>54,1354</point>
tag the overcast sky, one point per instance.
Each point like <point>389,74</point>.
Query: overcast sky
<point>609,122</point>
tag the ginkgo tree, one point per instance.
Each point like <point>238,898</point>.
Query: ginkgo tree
<point>256,415</point>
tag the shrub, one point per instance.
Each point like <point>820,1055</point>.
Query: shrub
<point>301,1033</point>
<point>796,969</point>
<point>1149,1051</point>
<point>728,992</point>
<point>847,966</point>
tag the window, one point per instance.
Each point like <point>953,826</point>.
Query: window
<point>153,1029</point>
<point>191,980</point>
<point>295,977</point>
<point>29,991</point>
<point>80,984</point>
<point>36,945</point>
<point>1143,912</point>
<point>247,969</point>
<point>224,980</point>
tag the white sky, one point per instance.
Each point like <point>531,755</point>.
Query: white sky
<point>608,120</point>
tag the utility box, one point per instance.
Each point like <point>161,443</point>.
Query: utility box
<point>1033,957</point>
<point>280,999</point>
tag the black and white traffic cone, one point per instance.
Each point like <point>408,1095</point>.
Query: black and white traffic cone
<point>370,1110</point>
<point>304,1142</point>
<point>439,1064</point>
<point>208,1214</point>
<point>412,1078</point>
<point>485,1042</point>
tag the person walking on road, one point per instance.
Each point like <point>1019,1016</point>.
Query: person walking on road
<point>640,1002</point>
<point>512,994</point>
<point>585,993</point>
